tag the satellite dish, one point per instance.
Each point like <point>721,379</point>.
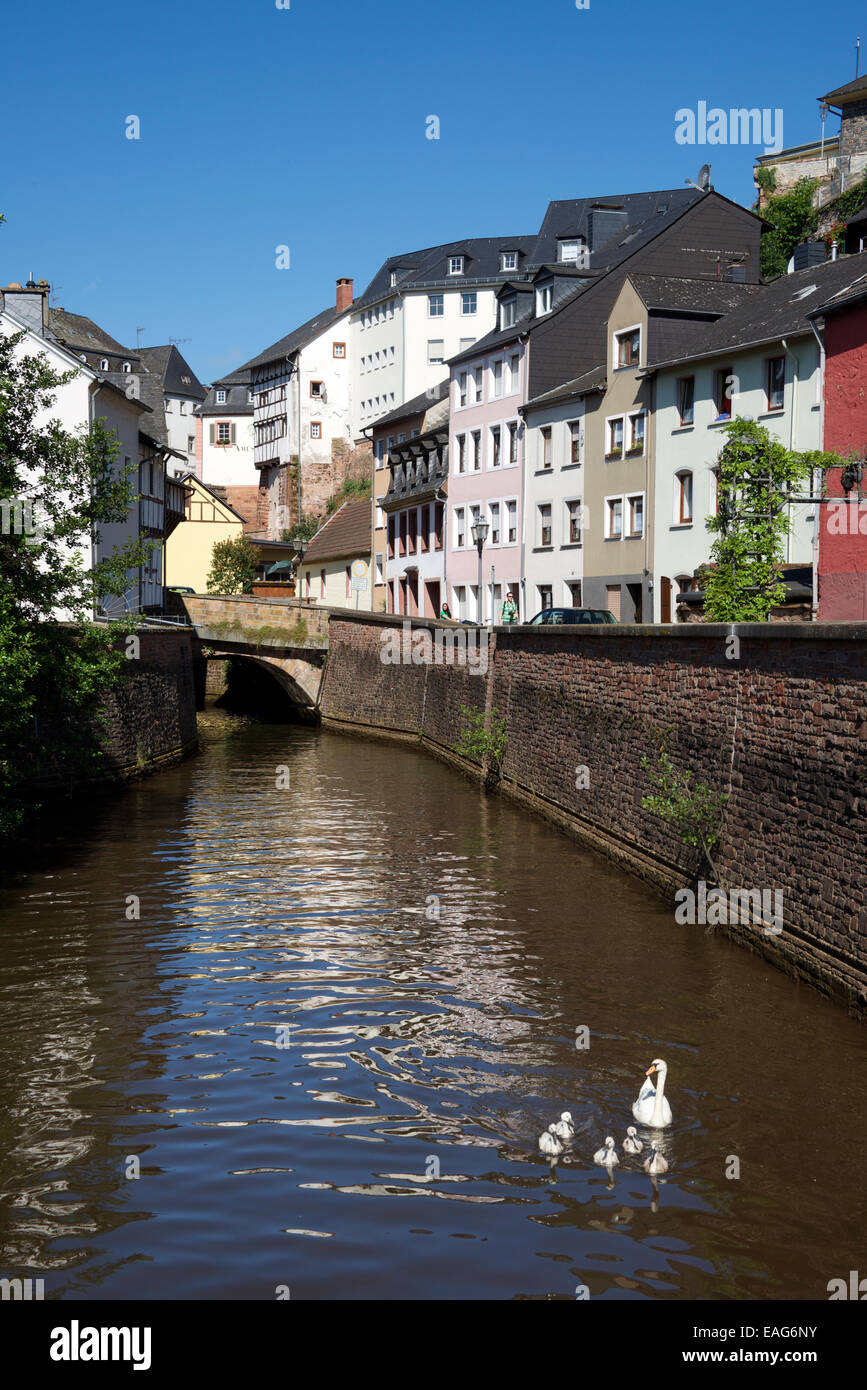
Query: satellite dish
<point>703,183</point>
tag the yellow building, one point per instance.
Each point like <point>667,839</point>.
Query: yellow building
<point>188,549</point>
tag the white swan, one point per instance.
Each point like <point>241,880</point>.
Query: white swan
<point>564,1128</point>
<point>549,1143</point>
<point>651,1108</point>
<point>656,1163</point>
<point>607,1157</point>
<point>632,1144</point>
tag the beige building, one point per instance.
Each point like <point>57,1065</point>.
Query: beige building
<point>336,570</point>
<point>208,519</point>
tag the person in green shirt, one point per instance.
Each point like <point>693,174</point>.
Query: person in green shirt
<point>509,611</point>
<point>445,612</point>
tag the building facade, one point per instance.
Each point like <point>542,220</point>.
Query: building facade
<point>414,511</point>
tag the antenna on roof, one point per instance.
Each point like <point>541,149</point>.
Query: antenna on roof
<point>54,292</point>
<point>857,54</point>
<point>138,334</point>
<point>703,185</point>
<point>180,340</point>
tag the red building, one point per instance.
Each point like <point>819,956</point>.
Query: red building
<point>843,527</point>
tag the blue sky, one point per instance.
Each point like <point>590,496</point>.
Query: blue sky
<point>306,127</point>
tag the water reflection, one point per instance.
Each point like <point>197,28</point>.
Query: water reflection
<point>326,1085</point>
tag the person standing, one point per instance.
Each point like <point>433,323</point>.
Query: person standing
<point>509,610</point>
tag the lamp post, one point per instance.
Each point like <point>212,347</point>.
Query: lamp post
<point>300,545</point>
<point>480,533</point>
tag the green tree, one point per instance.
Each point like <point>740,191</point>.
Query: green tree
<point>693,808</point>
<point>757,476</point>
<point>350,488</point>
<point>234,566</point>
<point>57,490</point>
<point>793,219</point>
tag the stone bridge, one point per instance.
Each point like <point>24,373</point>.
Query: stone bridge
<point>287,638</point>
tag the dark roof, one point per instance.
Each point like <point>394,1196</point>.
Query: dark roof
<point>175,373</point>
<point>776,310</point>
<point>298,338</point>
<point>606,222</point>
<point>83,335</point>
<point>415,269</point>
<point>594,380</point>
<point>851,91</point>
<point>417,406</point>
<point>852,294</point>
<point>345,533</point>
<point>690,296</point>
<point>237,402</point>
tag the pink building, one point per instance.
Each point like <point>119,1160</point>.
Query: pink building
<point>486,449</point>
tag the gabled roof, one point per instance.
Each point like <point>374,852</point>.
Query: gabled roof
<point>777,310</point>
<point>217,493</point>
<point>175,373</point>
<point>417,406</point>
<point>77,332</point>
<point>689,296</point>
<point>237,388</point>
<point>298,338</point>
<point>430,266</point>
<point>606,222</point>
<point>850,91</point>
<point>583,385</point>
<point>346,533</point>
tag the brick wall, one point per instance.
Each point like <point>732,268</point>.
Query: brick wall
<point>783,731</point>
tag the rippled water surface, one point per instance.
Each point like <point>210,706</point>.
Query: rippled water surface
<point>327,1088</point>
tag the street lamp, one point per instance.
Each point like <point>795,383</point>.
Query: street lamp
<point>300,546</point>
<point>480,534</point>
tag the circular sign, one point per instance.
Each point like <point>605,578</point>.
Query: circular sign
<point>359,569</point>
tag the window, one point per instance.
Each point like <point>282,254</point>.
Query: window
<point>224,432</point>
<point>686,400</point>
<point>191,443</point>
<point>636,433</point>
<point>614,439</point>
<point>544,299</point>
<point>424,529</point>
<point>168,406</point>
<point>466,343</point>
<point>574,588</point>
<point>512,521</point>
<point>401,534</point>
<point>508,260</point>
<point>468,303</point>
<point>495,446</point>
<point>627,348</point>
<point>547,446</point>
<point>391,538</point>
<point>461,600</point>
<point>508,312</point>
<point>103,364</point>
<point>460,528</point>
<point>776,382</point>
<point>496,380</point>
<point>494,520</point>
<point>636,515</point>
<point>435,348</point>
<point>513,441</point>
<point>412,541</point>
<point>380,453</point>
<point>683,498</point>
<point>389,443</point>
<point>338,349</point>
<point>127,367</point>
<point>461,441</point>
<point>456,265</point>
<point>478,384</point>
<point>316,389</point>
<point>513,374</point>
<point>477,450</point>
<point>392,279</point>
<point>315,429</point>
<point>567,249</point>
<point>544,523</point>
<point>435,308</point>
<point>573,510</point>
<point>613,518</point>
<point>723,385</point>
<point>462,388</point>
<point>221,396</point>
<point>546,597</point>
<point>439,513</point>
<point>401,438</point>
<point>322,582</point>
<point>574,441</point>
<point>183,407</point>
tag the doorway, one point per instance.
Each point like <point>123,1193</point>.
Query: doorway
<point>432,598</point>
<point>613,598</point>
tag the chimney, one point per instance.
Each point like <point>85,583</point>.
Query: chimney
<point>29,303</point>
<point>344,294</point>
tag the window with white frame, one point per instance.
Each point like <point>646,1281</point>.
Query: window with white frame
<point>496,435</point>
<point>775,369</point>
<point>461,601</point>
<point>496,379</point>
<point>435,308</point>
<point>574,517</point>
<point>614,437</point>
<point>627,348</point>
<point>513,441</point>
<point>544,299</point>
<point>567,249</point>
<point>380,453</point>
<point>635,510</point>
<point>435,348</point>
<point>168,405</point>
<point>512,520</point>
<point>461,442</point>
<point>456,265</point>
<point>686,400</point>
<point>574,441</point>
<point>513,374</point>
<point>613,518</point>
<point>466,343</point>
<point>224,432</point>
<point>508,260</point>
<point>462,388</point>
<point>636,433</point>
<point>469,302</point>
<point>508,312</point>
<point>683,497</point>
<point>478,384</point>
<point>460,528</point>
<point>546,451</point>
<point>221,396</point>
<point>494,522</point>
<point>543,528</point>
<point>476,444</point>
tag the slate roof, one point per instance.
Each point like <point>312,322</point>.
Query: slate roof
<point>417,406</point>
<point>237,388</point>
<point>594,380</point>
<point>775,311</point>
<point>298,338</point>
<point>345,533</point>
<point>175,373</point>
<point>843,299</point>
<point>77,332</point>
<point>850,91</point>
<point>689,296</point>
<point>430,266</point>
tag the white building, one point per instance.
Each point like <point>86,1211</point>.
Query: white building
<point>554,511</point>
<point>336,570</point>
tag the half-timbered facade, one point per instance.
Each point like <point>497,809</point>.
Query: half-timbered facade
<point>414,508</point>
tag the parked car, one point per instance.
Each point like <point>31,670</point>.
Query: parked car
<point>180,589</point>
<point>549,616</point>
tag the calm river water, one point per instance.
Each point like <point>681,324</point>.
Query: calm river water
<point>326,1088</point>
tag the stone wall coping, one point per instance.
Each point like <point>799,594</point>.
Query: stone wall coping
<point>854,631</point>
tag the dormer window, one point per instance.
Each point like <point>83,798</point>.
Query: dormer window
<point>392,279</point>
<point>567,250</point>
<point>221,396</point>
<point>127,367</point>
<point>456,265</point>
<point>508,312</point>
<point>103,364</point>
<point>627,348</point>
<point>508,260</point>
<point>544,299</point>
<point>187,380</point>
